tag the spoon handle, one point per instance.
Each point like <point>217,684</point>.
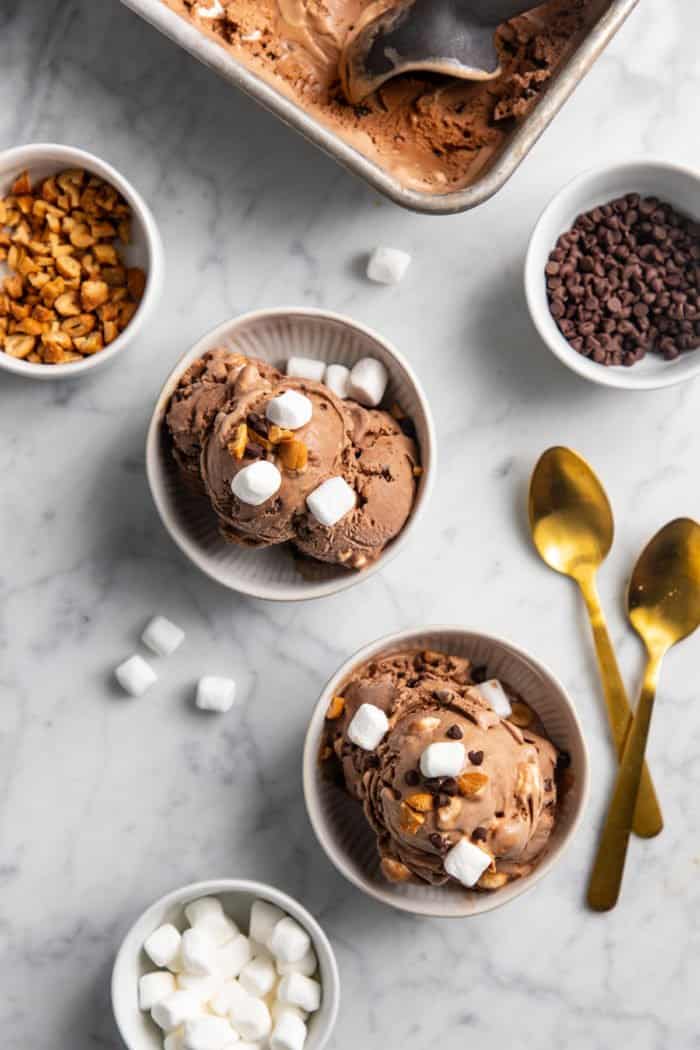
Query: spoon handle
<point>648,820</point>
<point>606,879</point>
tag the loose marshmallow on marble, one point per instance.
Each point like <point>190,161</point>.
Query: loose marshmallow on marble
<point>199,953</point>
<point>306,965</point>
<point>232,957</point>
<point>251,1019</point>
<point>306,368</point>
<point>289,941</point>
<point>290,410</point>
<point>300,991</point>
<point>215,693</point>
<point>368,380</point>
<point>258,976</point>
<point>135,676</point>
<point>203,987</point>
<point>387,265</point>
<point>179,1007</point>
<point>256,483</point>
<point>494,694</point>
<point>289,1032</point>
<point>443,759</point>
<point>207,914</point>
<point>162,636</point>
<point>368,728</point>
<point>228,998</point>
<point>154,987</point>
<point>331,501</point>
<point>338,380</point>
<point>263,919</point>
<point>209,1033</point>
<point>163,946</point>
<point>466,862</point>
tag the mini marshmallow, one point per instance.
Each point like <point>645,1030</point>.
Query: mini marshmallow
<point>228,998</point>
<point>338,380</point>
<point>251,1019</point>
<point>233,956</point>
<point>289,1033</point>
<point>306,965</point>
<point>154,987</point>
<point>256,483</point>
<point>368,381</point>
<point>494,694</point>
<point>163,946</point>
<point>444,759</point>
<point>278,1008</point>
<point>199,953</point>
<point>387,265</point>
<point>331,501</point>
<point>204,988</point>
<point>263,919</point>
<point>209,1033</point>
<point>162,636</point>
<point>290,410</point>
<point>300,991</point>
<point>175,1010</point>
<point>258,976</point>
<point>135,676</point>
<point>174,1041</point>
<point>208,915</point>
<point>215,693</point>
<point>466,862</point>
<point>368,728</point>
<point>306,368</point>
<point>289,941</point>
<point>215,10</point>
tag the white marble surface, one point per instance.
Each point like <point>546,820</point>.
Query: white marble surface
<point>106,802</point>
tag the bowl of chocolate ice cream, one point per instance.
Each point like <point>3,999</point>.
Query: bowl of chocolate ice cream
<point>445,771</point>
<point>291,453</point>
<point>612,275</point>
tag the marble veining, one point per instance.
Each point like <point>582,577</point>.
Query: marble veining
<point>107,802</point>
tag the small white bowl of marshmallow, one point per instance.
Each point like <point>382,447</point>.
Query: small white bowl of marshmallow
<point>227,964</point>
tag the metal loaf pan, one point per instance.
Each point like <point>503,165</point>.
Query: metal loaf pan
<point>212,54</point>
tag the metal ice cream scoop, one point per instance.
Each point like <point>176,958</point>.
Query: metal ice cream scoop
<point>454,37</point>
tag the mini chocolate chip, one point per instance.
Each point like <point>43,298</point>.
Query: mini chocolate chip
<point>412,777</point>
<point>437,840</point>
<point>449,786</point>
<point>479,834</point>
<point>563,760</point>
<point>476,757</point>
<point>454,733</point>
<point>499,813</point>
<point>479,674</point>
<point>372,761</point>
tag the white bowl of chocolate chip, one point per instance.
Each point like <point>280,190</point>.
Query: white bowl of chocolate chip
<point>469,758</point>
<point>271,533</point>
<point>612,275</point>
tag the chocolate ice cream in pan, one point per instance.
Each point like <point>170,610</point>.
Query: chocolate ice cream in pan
<point>276,457</point>
<point>465,782</point>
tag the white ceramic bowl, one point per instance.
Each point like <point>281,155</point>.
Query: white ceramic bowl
<point>274,335</point>
<point>237,895</point>
<point>673,184</point>
<point>339,821</point>
<point>146,250</point>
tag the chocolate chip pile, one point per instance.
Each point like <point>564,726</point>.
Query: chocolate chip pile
<point>625,279</point>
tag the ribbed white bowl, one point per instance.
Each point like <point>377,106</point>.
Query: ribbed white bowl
<point>339,821</point>
<point>274,335</point>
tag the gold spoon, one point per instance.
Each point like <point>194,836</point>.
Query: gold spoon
<point>572,528</point>
<point>663,603</point>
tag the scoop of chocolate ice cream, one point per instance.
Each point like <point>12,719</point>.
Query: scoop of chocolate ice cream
<point>503,800</point>
<point>379,464</point>
<point>203,391</point>
<point>324,436</point>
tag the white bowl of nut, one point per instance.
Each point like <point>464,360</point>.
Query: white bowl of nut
<point>81,261</point>
<point>612,277</point>
<point>401,825</point>
<point>225,962</point>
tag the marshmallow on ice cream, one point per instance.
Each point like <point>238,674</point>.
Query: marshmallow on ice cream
<point>454,792</point>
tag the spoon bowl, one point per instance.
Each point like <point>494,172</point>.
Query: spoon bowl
<point>663,599</point>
